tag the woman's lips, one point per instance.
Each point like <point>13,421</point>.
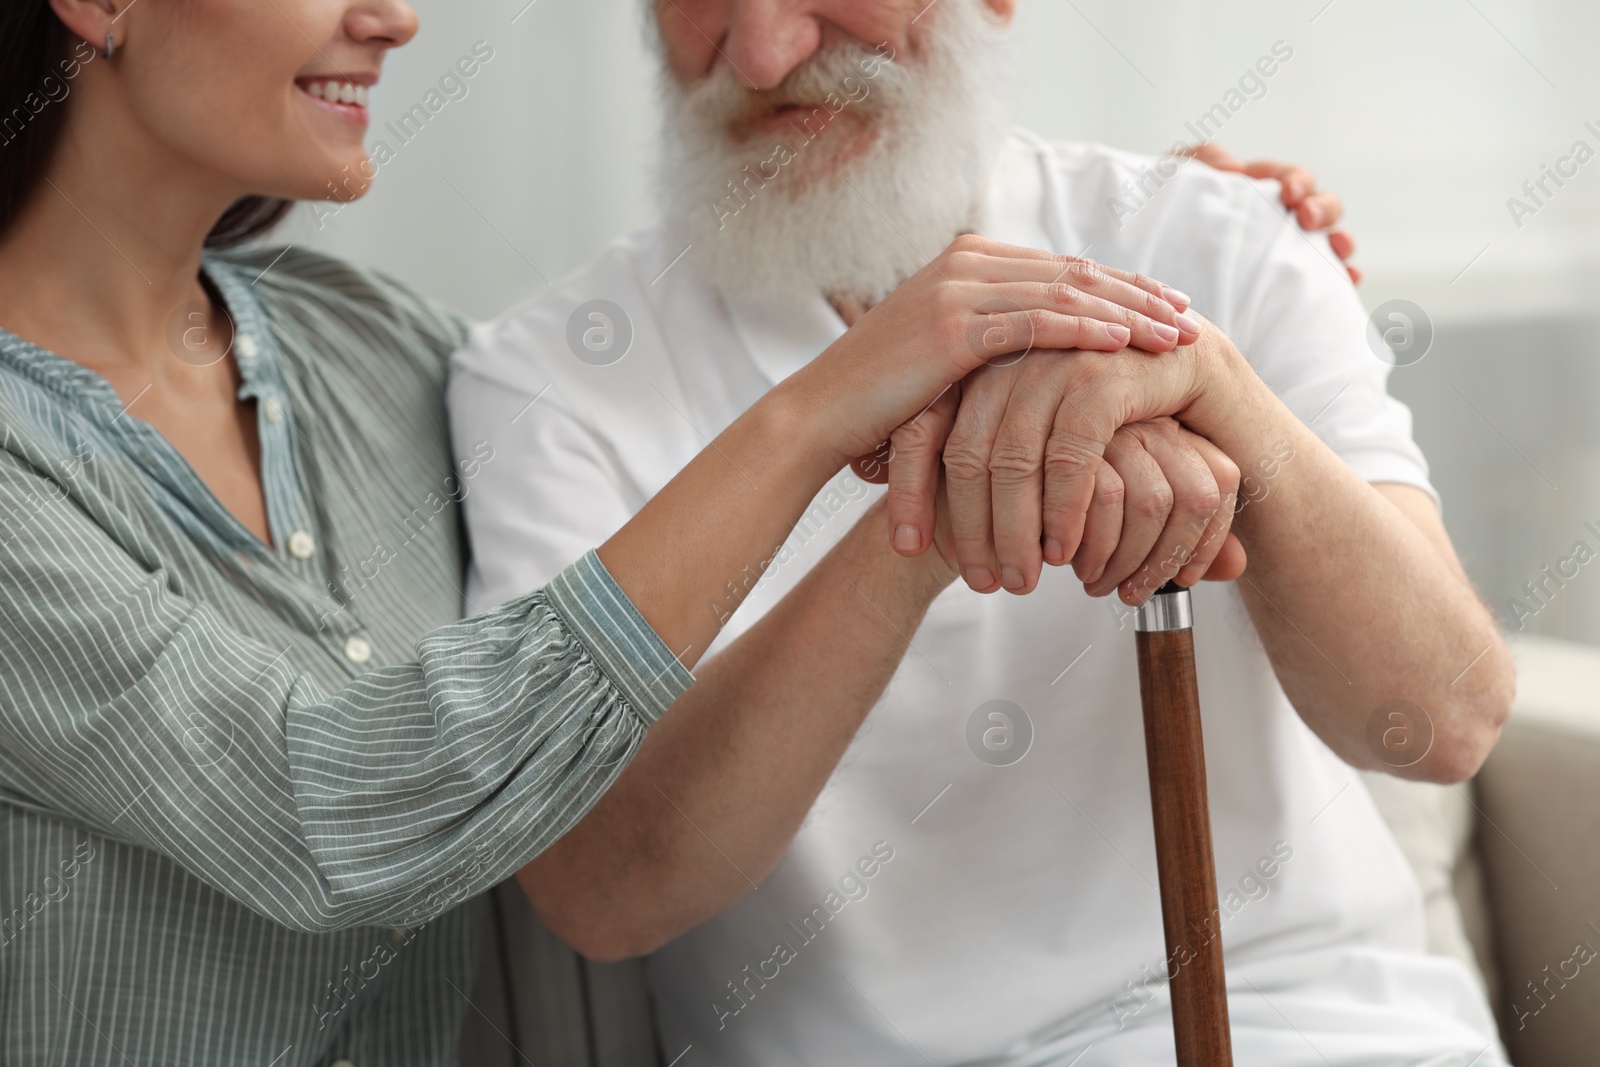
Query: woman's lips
<point>345,98</point>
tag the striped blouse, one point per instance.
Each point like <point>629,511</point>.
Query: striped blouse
<point>250,794</point>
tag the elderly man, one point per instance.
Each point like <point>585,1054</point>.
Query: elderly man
<point>975,882</point>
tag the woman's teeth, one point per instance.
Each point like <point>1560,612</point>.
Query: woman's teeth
<point>337,92</point>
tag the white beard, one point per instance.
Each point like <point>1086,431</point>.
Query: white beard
<point>766,222</point>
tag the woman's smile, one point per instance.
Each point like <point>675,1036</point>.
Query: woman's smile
<point>346,95</point>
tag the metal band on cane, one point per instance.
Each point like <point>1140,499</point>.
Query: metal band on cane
<point>1167,610</point>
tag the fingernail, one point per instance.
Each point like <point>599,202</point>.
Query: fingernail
<point>1120,335</point>
<point>1165,332</point>
<point>1177,299</point>
<point>907,538</point>
<point>979,577</point>
<point>1011,578</point>
<point>1189,322</point>
<point>1053,550</point>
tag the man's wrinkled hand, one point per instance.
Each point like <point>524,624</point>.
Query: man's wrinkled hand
<point>1069,458</point>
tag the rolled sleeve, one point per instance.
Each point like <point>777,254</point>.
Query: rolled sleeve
<point>132,710</point>
<point>646,672</point>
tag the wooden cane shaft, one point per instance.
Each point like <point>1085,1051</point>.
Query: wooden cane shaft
<point>1184,861</point>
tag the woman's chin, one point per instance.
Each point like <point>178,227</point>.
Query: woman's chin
<point>342,177</point>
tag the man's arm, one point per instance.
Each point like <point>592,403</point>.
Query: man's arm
<point>1357,594</point>
<point>721,784</point>
<point>1361,602</point>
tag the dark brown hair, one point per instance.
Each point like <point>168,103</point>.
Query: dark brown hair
<point>37,62</point>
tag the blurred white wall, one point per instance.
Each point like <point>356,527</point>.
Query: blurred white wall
<point>1426,115</point>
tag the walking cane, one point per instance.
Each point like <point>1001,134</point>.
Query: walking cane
<point>1184,863</point>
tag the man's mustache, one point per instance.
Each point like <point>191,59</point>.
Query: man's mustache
<point>722,100</point>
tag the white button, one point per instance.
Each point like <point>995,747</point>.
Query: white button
<point>356,650</point>
<point>272,409</point>
<point>246,346</point>
<point>300,545</point>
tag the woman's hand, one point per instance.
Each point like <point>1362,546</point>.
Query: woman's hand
<point>980,300</point>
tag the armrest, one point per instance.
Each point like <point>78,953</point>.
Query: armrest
<point>1539,834</point>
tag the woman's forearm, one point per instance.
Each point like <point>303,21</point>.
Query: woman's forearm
<point>722,518</point>
<point>721,783</point>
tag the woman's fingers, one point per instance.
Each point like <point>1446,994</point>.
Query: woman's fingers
<point>992,261</point>
<point>1319,211</point>
<point>1045,284</point>
<point>1213,155</point>
<point>1297,182</point>
<point>1154,324</point>
<point>1006,336</point>
<point>917,448</point>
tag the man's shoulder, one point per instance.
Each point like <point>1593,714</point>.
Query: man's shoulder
<point>1113,189</point>
<point>591,318</point>
<point>1156,211</point>
<point>1217,235</point>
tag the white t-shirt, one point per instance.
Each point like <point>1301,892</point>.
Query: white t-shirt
<point>941,908</point>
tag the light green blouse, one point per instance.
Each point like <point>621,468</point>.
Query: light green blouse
<point>249,793</point>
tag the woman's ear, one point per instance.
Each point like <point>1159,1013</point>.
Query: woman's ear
<point>91,19</point>
<point>1003,9</point>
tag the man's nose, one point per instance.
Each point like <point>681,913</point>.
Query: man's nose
<point>766,39</point>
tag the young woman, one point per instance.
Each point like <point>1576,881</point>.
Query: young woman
<point>253,770</point>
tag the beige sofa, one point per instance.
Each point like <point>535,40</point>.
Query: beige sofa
<point>1509,865</point>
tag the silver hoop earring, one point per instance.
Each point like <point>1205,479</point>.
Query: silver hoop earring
<point>111,46</point>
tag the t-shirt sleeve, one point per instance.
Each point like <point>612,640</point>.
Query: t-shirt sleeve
<point>557,489</point>
<point>1297,319</point>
